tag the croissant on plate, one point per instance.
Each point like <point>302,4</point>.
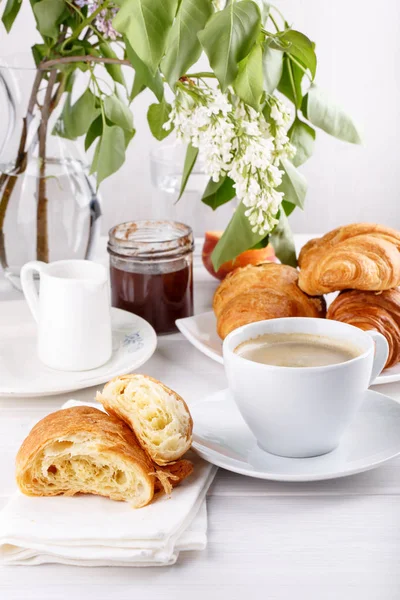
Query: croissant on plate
<point>371,310</point>
<point>158,416</point>
<point>259,292</point>
<point>361,256</point>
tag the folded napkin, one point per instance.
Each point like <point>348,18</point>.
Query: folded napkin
<point>95,531</point>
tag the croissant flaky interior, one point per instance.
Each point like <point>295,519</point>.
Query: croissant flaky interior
<point>83,450</point>
<point>258,292</point>
<point>371,310</point>
<point>159,416</point>
<point>361,256</point>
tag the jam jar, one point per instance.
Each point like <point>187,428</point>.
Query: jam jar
<point>151,269</point>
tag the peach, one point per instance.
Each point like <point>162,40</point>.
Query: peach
<point>249,257</point>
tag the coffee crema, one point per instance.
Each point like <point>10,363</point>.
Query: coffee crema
<point>297,350</point>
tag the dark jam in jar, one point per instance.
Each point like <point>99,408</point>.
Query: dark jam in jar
<point>151,271</point>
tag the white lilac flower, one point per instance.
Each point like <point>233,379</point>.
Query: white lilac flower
<point>235,140</point>
<point>103,21</point>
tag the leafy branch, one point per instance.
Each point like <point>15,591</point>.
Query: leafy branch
<point>162,40</point>
<point>65,60</point>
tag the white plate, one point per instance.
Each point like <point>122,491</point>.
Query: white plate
<point>222,437</point>
<point>201,331</point>
<point>22,374</point>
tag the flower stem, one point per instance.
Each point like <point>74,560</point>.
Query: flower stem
<point>279,12</point>
<point>201,75</point>
<point>42,234</point>
<point>274,22</point>
<point>298,63</point>
<point>292,83</point>
<point>64,60</point>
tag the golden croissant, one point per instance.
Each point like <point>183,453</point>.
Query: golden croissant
<point>158,416</point>
<point>265,291</point>
<point>371,310</point>
<point>361,256</point>
<point>83,450</point>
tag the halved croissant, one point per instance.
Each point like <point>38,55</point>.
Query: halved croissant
<point>360,256</point>
<point>159,417</point>
<point>83,450</point>
<point>256,293</point>
<point>171,475</point>
<point>371,310</point>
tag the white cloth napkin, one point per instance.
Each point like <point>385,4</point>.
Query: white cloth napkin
<point>95,531</point>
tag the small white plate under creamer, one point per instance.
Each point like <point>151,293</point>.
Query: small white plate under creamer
<point>22,373</point>
<point>222,437</point>
<point>201,331</point>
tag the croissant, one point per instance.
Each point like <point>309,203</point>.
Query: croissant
<point>371,310</point>
<point>266,291</point>
<point>83,450</point>
<point>361,256</point>
<point>159,417</point>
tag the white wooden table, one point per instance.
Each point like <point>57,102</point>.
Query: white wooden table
<point>338,539</point>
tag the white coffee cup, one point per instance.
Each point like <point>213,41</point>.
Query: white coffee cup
<point>72,311</point>
<point>302,412</point>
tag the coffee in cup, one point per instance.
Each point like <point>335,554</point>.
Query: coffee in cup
<point>297,350</point>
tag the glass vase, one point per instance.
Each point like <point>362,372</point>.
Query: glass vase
<point>49,208</point>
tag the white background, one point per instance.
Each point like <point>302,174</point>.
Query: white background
<point>358,49</point>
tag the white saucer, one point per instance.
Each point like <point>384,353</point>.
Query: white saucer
<point>201,331</point>
<point>22,373</point>
<point>222,437</point>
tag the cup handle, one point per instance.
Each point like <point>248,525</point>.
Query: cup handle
<point>381,354</point>
<point>28,285</point>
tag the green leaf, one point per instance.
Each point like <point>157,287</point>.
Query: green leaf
<point>261,244</point>
<point>218,193</point>
<point>294,184</point>
<point>236,238</point>
<point>84,111</point>
<point>288,207</point>
<point>272,68</point>
<point>302,136</point>
<point>114,71</point>
<point>74,119</point>
<point>228,38</point>
<point>183,48</point>
<point>290,83</point>
<point>129,135</point>
<point>249,82</point>
<point>328,116</point>
<point>146,25</point>
<point>10,13</point>
<point>39,52</point>
<point>110,153</point>
<point>47,14</point>
<point>301,48</point>
<point>282,241</point>
<point>118,113</point>
<point>137,88</point>
<point>157,115</point>
<point>190,160</point>
<point>95,130</point>
<point>143,76</point>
